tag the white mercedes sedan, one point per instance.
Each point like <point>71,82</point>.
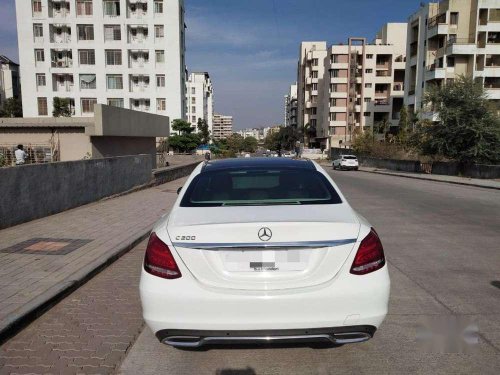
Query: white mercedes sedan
<point>263,250</point>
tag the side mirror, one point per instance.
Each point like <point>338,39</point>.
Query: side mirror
<point>179,190</point>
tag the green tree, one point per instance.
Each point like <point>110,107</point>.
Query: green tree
<point>61,107</point>
<point>235,143</point>
<point>182,126</point>
<point>250,144</point>
<point>284,139</point>
<point>404,124</point>
<point>203,131</point>
<point>186,140</point>
<point>12,107</point>
<point>467,130</point>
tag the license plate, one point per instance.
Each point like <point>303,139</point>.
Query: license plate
<point>265,261</point>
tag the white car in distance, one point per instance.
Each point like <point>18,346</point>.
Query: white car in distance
<point>349,162</point>
<point>263,250</point>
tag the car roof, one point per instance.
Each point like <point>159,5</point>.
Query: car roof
<point>216,165</point>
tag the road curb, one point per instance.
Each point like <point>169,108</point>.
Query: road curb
<point>43,302</point>
<point>430,179</point>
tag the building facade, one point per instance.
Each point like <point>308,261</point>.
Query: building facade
<point>199,99</point>
<point>124,53</point>
<point>353,87</point>
<point>10,85</point>
<point>222,126</point>
<point>452,38</point>
<point>291,107</point>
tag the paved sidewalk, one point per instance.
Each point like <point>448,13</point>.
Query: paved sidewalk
<point>488,184</point>
<point>42,259</point>
<point>88,332</point>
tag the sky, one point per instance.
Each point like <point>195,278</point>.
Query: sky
<point>250,47</point>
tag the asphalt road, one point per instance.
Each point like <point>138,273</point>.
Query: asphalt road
<point>442,243</point>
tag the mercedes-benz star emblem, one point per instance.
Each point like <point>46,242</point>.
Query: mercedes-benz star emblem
<point>265,234</point>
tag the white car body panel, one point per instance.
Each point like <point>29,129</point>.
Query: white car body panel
<point>215,293</point>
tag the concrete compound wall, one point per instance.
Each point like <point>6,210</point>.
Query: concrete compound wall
<point>392,164</point>
<point>33,191</point>
<point>168,174</point>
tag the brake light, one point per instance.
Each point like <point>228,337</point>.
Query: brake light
<point>159,261</point>
<point>370,255</point>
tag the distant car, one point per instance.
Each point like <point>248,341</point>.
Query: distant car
<point>263,250</point>
<point>348,162</point>
<point>248,155</point>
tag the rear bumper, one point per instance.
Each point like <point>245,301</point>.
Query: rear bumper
<point>199,338</point>
<point>187,305</point>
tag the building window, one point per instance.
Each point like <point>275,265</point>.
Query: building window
<point>334,73</point>
<point>114,82</point>
<point>39,55</point>
<point>315,74</point>
<point>193,100</point>
<point>159,32</point>
<point>88,105</point>
<point>315,62</point>
<point>367,114</point>
<point>160,57</point>
<point>84,7</point>
<point>37,31</point>
<point>158,6</point>
<point>193,109</point>
<point>85,32</point>
<point>314,110</point>
<point>454,18</point>
<point>161,104</point>
<point>87,81</point>
<point>315,87</point>
<point>193,90</point>
<point>112,32</point>
<point>113,57</point>
<point>111,8</point>
<point>368,85</point>
<point>193,119</point>
<point>37,6</point>
<point>116,102</point>
<point>368,100</point>
<point>368,71</point>
<point>86,57</point>
<point>42,107</point>
<point>369,56</point>
<point>160,80</point>
<point>40,80</point>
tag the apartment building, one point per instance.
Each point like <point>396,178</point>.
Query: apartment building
<point>452,38</point>
<point>10,86</point>
<point>291,107</point>
<point>124,53</point>
<point>222,126</point>
<point>199,99</point>
<point>352,87</point>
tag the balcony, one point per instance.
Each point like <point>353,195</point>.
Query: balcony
<point>61,58</point>
<point>143,105</point>
<point>138,34</point>
<point>138,59</point>
<point>461,46</point>
<point>139,83</point>
<point>62,82</point>
<point>433,72</point>
<point>398,87</point>
<point>59,8</point>
<point>60,34</point>
<point>137,9</point>
<point>381,102</point>
<point>383,73</point>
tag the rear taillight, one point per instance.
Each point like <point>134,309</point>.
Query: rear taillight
<point>159,260</point>
<point>370,255</point>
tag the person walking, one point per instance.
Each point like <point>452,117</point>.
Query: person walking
<point>21,155</point>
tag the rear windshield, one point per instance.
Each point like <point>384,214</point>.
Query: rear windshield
<point>349,157</point>
<point>257,187</point>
